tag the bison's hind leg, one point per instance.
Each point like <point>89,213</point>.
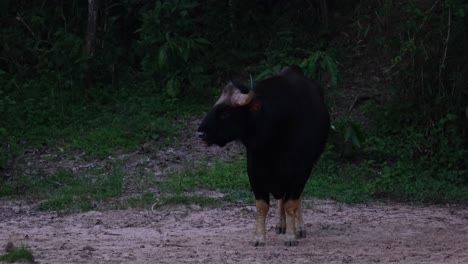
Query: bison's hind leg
<point>292,210</point>
<point>280,218</point>
<point>294,223</point>
<point>260,230</point>
<point>299,222</point>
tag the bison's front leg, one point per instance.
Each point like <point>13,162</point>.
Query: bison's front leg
<point>291,208</point>
<point>260,230</point>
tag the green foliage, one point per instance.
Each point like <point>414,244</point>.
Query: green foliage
<point>346,138</point>
<point>399,180</point>
<point>442,143</point>
<point>190,186</point>
<point>50,90</point>
<point>173,57</point>
<point>189,199</point>
<point>427,53</point>
<point>15,254</point>
<point>398,159</point>
<point>230,179</point>
<point>404,180</point>
<point>119,122</point>
<point>383,175</point>
<point>149,199</point>
<point>154,60</point>
<point>138,120</point>
<point>415,161</point>
<point>345,182</point>
<point>143,200</point>
<point>321,65</point>
<point>6,189</point>
<point>64,190</point>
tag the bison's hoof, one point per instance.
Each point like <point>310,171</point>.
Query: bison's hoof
<point>259,243</point>
<point>259,240</point>
<point>280,230</point>
<point>291,243</point>
<point>301,233</point>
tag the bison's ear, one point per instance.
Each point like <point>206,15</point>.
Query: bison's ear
<point>241,87</point>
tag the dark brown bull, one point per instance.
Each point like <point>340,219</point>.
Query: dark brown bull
<point>284,125</point>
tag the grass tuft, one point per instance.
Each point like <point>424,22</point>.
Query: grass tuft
<point>228,178</point>
<point>350,182</point>
<point>148,199</point>
<point>14,254</point>
<point>403,181</point>
<point>65,190</point>
<point>189,199</point>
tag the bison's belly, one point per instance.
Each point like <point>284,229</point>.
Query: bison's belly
<point>281,182</point>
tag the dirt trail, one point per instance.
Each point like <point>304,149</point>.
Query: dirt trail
<point>337,233</point>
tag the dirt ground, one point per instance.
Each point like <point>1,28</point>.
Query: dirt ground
<point>337,233</point>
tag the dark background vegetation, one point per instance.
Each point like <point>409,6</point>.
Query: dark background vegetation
<point>121,80</point>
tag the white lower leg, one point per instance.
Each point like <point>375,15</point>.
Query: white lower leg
<point>291,208</point>
<point>260,230</point>
<point>300,229</point>
<point>280,218</point>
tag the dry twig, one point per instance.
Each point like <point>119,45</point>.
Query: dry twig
<point>19,18</point>
<point>444,57</point>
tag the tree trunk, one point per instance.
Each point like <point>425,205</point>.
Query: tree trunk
<point>232,16</point>
<point>90,45</point>
<point>93,6</point>
<point>324,14</point>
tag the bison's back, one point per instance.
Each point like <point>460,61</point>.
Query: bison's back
<point>294,111</point>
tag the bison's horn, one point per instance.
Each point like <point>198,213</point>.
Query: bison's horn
<point>238,98</point>
<point>251,83</point>
<point>240,86</point>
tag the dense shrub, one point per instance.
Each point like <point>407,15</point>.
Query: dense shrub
<point>152,55</point>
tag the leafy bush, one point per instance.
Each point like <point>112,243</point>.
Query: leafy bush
<point>154,59</point>
<point>427,55</point>
<point>435,154</point>
<point>174,49</point>
<point>321,65</point>
<point>347,138</point>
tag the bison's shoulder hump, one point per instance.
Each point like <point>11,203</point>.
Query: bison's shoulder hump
<point>293,69</point>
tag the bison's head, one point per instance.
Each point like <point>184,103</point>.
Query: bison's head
<point>225,122</point>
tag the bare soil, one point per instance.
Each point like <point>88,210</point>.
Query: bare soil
<point>337,233</point>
